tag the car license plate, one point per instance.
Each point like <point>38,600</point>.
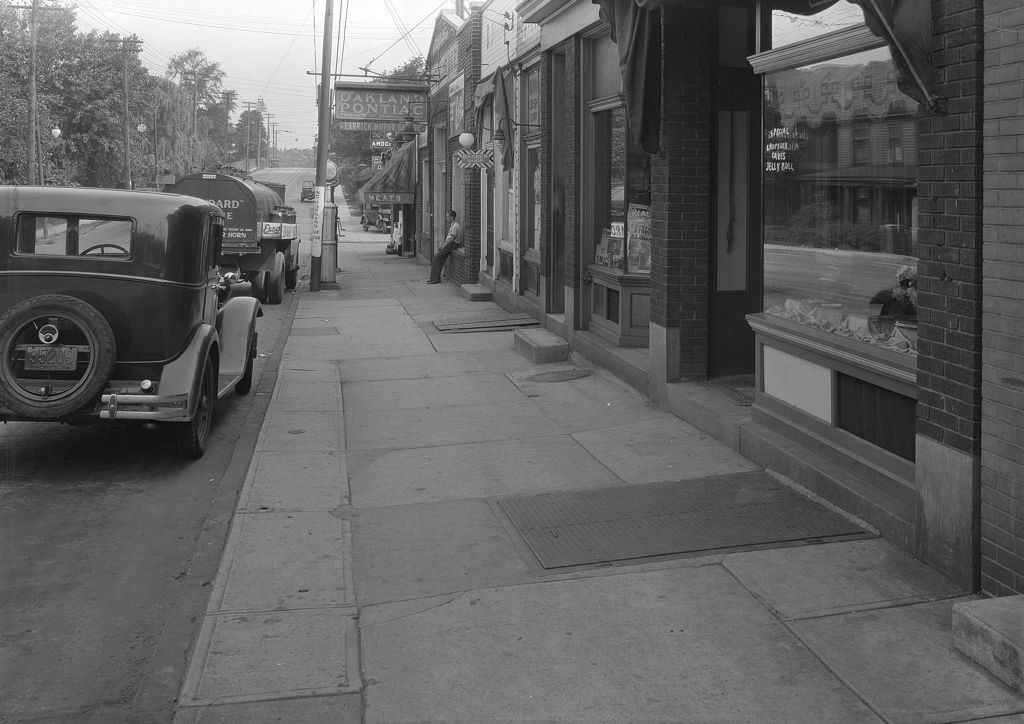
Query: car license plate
<point>46,358</point>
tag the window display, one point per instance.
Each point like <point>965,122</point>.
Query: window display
<point>623,182</point>
<point>840,207</point>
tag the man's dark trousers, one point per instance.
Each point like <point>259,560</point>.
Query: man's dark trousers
<point>437,263</point>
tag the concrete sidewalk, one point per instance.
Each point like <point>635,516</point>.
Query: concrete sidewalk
<point>370,575</point>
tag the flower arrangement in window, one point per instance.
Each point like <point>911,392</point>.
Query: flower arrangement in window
<point>900,302</point>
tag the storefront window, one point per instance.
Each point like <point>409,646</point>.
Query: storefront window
<point>840,207</point>
<point>623,187</point>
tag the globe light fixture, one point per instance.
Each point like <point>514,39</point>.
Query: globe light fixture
<point>466,139</point>
<point>55,132</point>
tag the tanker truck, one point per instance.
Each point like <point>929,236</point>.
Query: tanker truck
<point>261,243</point>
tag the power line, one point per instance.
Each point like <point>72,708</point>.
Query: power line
<point>432,13</point>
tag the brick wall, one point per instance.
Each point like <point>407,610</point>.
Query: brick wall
<point>680,184</point>
<point>464,266</point>
<point>949,237</point>
<point>1002,456</point>
<point>572,51</point>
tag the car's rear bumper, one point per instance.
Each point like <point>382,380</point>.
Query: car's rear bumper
<point>117,406</point>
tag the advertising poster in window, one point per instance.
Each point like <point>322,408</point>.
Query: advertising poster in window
<point>638,224</point>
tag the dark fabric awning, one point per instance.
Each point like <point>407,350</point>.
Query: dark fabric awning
<point>484,88</point>
<point>396,182</point>
<point>907,26</point>
<point>636,30</point>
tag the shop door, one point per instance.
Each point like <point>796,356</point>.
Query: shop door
<point>736,253</point>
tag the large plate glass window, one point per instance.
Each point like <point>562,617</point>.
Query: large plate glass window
<point>623,196</point>
<point>840,199</point>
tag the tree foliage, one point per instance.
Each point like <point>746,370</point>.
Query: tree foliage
<point>175,124</point>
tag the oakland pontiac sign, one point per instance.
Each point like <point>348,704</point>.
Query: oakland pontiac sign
<point>378,106</point>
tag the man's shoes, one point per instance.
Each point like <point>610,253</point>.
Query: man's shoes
<point>431,281</point>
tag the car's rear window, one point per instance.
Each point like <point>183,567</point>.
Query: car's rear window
<point>75,235</point>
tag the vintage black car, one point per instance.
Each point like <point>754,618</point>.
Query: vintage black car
<point>112,307</point>
<point>308,192</point>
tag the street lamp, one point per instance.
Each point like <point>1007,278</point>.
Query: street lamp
<point>55,132</point>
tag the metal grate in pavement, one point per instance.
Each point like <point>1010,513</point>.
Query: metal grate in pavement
<point>485,323</point>
<point>637,521</point>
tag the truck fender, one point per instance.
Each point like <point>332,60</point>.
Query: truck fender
<point>184,373</point>
<point>236,323</point>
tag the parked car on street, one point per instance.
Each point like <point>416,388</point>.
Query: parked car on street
<point>375,216</point>
<point>112,307</point>
<point>307,193</point>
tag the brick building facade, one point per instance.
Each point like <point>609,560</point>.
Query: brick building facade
<point>1002,314</point>
<point>913,427</point>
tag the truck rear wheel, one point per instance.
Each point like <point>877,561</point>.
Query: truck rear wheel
<point>291,274</point>
<point>276,280</point>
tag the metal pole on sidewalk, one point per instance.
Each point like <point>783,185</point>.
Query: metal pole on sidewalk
<point>323,146</point>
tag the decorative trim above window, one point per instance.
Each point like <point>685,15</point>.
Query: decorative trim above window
<point>816,50</point>
<point>605,104</point>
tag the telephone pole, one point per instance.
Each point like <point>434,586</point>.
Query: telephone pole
<point>33,35</point>
<point>323,144</point>
<point>128,46</point>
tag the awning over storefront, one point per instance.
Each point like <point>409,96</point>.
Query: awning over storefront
<point>636,30</point>
<point>396,182</point>
<point>907,26</point>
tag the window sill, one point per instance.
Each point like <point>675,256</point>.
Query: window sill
<point>887,368</point>
<point>618,277</point>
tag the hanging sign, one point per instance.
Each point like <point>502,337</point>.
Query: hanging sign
<point>380,103</point>
<point>474,159</point>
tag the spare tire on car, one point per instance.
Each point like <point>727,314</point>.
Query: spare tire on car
<point>56,355</point>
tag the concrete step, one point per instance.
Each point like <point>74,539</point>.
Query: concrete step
<point>476,292</point>
<point>539,345</point>
<point>990,632</point>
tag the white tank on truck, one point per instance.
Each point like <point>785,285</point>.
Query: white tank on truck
<point>261,236</point>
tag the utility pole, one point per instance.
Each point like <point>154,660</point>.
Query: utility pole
<point>31,136</point>
<point>33,34</point>
<point>269,124</point>
<point>129,45</point>
<point>323,144</point>
<point>261,108</point>
<point>248,133</point>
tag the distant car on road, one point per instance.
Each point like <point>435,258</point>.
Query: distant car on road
<point>114,308</point>
<point>307,193</point>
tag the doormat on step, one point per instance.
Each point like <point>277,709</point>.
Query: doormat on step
<point>497,322</point>
<point>576,528</point>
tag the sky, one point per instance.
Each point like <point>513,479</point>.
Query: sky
<point>272,50</point>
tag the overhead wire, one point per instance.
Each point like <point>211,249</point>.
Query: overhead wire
<point>425,18</point>
<point>400,26</point>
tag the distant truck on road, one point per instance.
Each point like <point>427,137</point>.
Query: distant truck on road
<point>261,236</point>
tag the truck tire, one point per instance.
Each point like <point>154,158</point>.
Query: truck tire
<point>192,437</point>
<point>276,280</point>
<point>45,321</point>
<point>259,285</point>
<point>291,275</point>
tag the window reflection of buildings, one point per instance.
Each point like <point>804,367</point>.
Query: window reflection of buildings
<point>840,175</point>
